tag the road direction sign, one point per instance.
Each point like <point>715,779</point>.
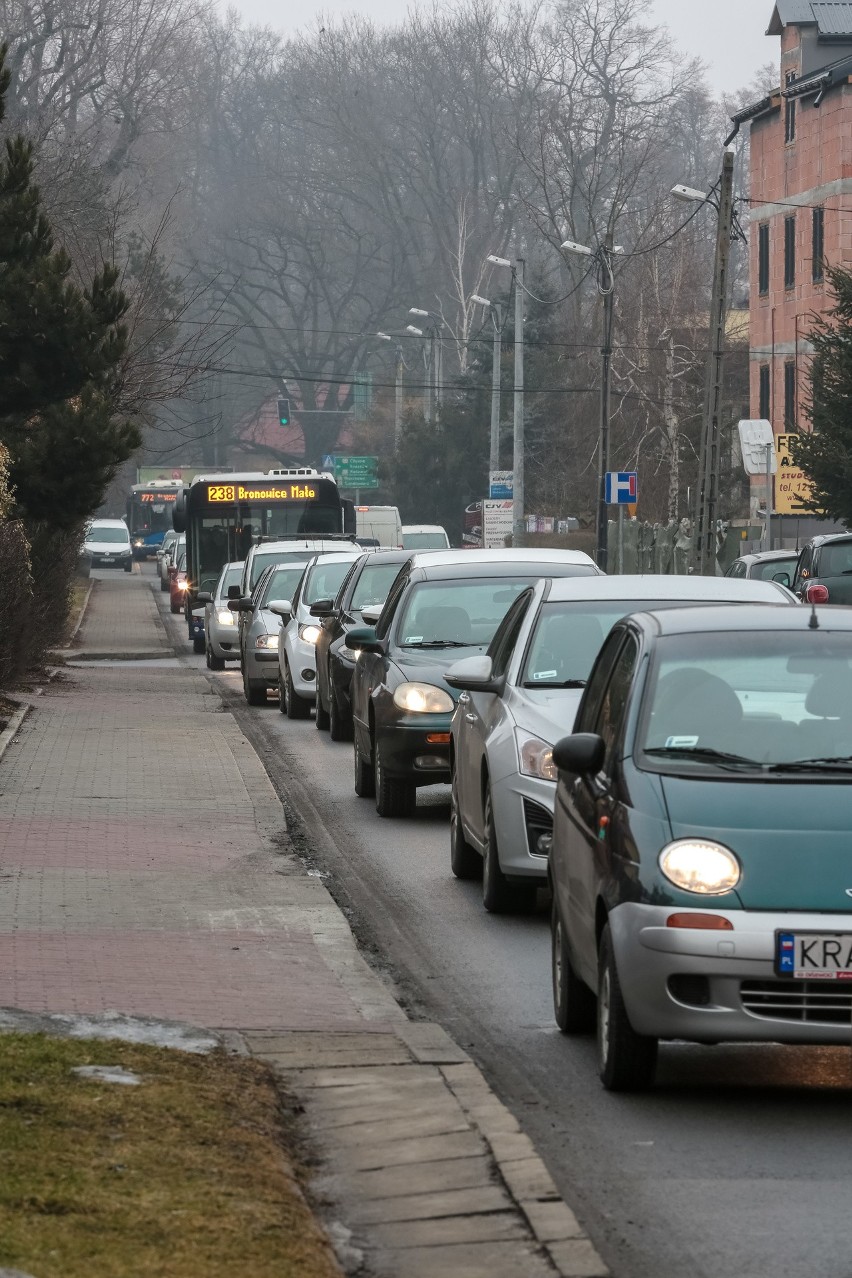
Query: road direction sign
<point>622,487</point>
<point>328,462</point>
<point>356,472</point>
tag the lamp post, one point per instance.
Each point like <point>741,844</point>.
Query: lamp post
<point>436,352</point>
<point>428,363</point>
<point>602,256</point>
<point>397,408</point>
<point>519,527</point>
<point>496,311</point>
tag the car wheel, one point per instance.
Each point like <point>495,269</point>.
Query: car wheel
<point>499,896</point>
<point>322,719</point>
<point>129,567</point>
<point>573,1001</point>
<point>282,694</point>
<point>198,644</point>
<point>365,780</point>
<point>255,694</point>
<point>164,586</point>
<point>394,797</point>
<point>465,861</point>
<point>626,1060</point>
<point>214,662</point>
<point>339,723</point>
<point>297,707</point>
<point>174,607</point>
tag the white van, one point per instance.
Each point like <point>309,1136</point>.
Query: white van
<point>424,537</point>
<point>379,526</point>
<point>107,544</point>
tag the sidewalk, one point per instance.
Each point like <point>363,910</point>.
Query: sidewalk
<point>146,870</point>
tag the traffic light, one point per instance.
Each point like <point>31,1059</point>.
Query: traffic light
<point>284,412</point>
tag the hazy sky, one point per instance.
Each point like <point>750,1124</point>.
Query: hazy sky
<point>728,34</point>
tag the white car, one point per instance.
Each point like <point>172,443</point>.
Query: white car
<point>260,638</point>
<point>289,550</point>
<point>107,544</point>
<point>521,697</point>
<point>297,665</point>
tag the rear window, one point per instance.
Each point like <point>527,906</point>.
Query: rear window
<point>118,535</point>
<point>459,613</point>
<point>425,541</point>
<point>767,571</point>
<point>835,560</point>
<point>373,585</point>
<point>262,561</point>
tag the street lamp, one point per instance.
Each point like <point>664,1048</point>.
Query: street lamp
<point>397,413</point>
<point>496,311</point>
<point>436,351</point>
<point>602,256</point>
<point>518,520</point>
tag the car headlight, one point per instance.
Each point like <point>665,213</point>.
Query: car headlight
<point>225,617</point>
<point>138,543</point>
<point>423,698</point>
<point>310,634</point>
<point>266,641</point>
<point>183,585</point>
<point>535,757</point>
<point>700,865</point>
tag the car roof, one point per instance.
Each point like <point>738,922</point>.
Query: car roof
<point>509,556</point>
<point>387,556</point>
<point>671,621</point>
<point>828,537</point>
<point>763,556</point>
<point>423,528</point>
<point>107,523</point>
<point>332,559</point>
<point>310,543</point>
<point>469,570</point>
<point>664,586</point>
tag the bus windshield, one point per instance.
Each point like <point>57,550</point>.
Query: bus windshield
<point>149,513</point>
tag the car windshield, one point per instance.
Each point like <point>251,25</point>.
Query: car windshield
<point>324,580</point>
<point>181,559</point>
<point>263,559</point>
<point>373,585</point>
<point>568,636</point>
<point>282,582</point>
<point>777,701</point>
<point>230,577</point>
<point>460,613</point>
<point>117,535</point>
<point>766,571</point>
<point>424,541</point>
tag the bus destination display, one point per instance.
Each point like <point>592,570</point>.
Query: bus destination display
<point>260,492</point>
<point>155,498</point>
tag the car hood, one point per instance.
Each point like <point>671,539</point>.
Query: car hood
<point>792,837</point>
<point>548,713</point>
<point>425,665</point>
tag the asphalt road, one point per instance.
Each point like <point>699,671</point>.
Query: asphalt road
<point>739,1163</point>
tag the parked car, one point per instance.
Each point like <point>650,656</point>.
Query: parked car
<point>700,860</point>
<point>401,703</point>
<point>297,675</point>
<point>166,562</point>
<point>169,538</point>
<point>424,537</point>
<point>177,581</point>
<point>260,638</point>
<point>289,550</point>
<point>220,623</point>
<point>365,586</point>
<point>522,696</point>
<point>824,571</point>
<point>766,565</point>
<point>107,544</point>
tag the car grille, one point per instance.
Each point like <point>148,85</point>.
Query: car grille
<point>538,822</point>
<point>815,1002</point>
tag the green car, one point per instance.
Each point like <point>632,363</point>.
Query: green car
<point>701,863</point>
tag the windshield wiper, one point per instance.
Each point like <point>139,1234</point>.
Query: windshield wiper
<point>438,643</point>
<point>832,763</point>
<point>566,683</point>
<point>705,753</point>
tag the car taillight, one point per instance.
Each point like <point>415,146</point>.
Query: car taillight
<point>816,593</point>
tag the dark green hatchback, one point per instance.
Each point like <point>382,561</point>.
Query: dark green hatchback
<point>702,848</point>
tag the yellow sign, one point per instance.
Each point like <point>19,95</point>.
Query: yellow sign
<point>274,493</point>
<point>792,487</point>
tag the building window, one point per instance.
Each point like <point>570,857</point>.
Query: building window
<point>789,252</point>
<point>790,112</point>
<point>764,407</point>
<point>818,246</point>
<point>763,259</point>
<point>790,395</point>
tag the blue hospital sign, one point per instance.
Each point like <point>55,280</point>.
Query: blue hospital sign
<point>622,487</point>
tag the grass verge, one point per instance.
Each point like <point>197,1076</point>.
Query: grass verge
<point>79,590</point>
<point>186,1175</point>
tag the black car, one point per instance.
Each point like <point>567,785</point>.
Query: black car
<point>366,586</point>
<point>441,604</point>
<point>824,571</point>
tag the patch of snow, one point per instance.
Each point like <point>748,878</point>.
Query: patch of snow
<point>108,1074</point>
<point>112,1025</point>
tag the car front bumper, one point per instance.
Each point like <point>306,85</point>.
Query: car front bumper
<point>224,640</point>
<point>720,986</point>
<point>408,753</point>
<point>303,668</point>
<point>523,813</point>
<point>262,665</point>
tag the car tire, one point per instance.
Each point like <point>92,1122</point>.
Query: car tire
<point>573,1001</point>
<point>297,707</point>
<point>214,662</point>
<point>627,1061</point>
<point>322,717</point>
<point>365,779</point>
<point>198,644</point>
<point>339,723</point>
<point>499,896</point>
<point>394,796</point>
<point>129,567</point>
<point>282,694</point>
<point>164,587</point>
<point>255,694</point>
<point>465,861</point>
<point>174,608</point>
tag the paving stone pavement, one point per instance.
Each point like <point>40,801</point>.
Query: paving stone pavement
<point>146,870</point>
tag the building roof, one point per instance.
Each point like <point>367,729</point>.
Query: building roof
<point>833,18</point>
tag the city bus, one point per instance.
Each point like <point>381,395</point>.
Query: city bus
<point>224,515</point>
<point>149,514</point>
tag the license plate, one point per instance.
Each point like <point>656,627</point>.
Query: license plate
<point>107,559</point>
<point>814,956</point>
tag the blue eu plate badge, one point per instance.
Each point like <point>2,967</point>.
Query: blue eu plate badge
<point>786,954</point>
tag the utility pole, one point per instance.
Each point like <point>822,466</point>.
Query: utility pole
<point>430,390</point>
<point>397,414</point>
<point>606,377</point>
<point>708,459</point>
<point>497,322</point>
<point>518,520</point>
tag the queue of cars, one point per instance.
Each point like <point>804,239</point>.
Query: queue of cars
<point>670,756</point>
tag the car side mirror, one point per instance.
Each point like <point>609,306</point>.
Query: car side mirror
<point>282,608</point>
<point>241,605</point>
<point>363,639</point>
<point>582,753</point>
<point>234,592</point>
<point>474,674</point>
<point>322,608</point>
<point>783,578</point>
<point>371,613</point>
<point>203,597</point>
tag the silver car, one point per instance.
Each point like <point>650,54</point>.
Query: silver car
<point>171,542</point>
<point>521,697</point>
<point>259,639</point>
<point>297,654</point>
<point>220,623</point>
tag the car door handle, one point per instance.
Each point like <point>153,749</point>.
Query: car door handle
<point>464,698</point>
<point>472,718</point>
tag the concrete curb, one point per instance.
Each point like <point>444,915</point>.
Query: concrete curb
<point>105,654</point>
<point>7,736</point>
<point>81,618</point>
